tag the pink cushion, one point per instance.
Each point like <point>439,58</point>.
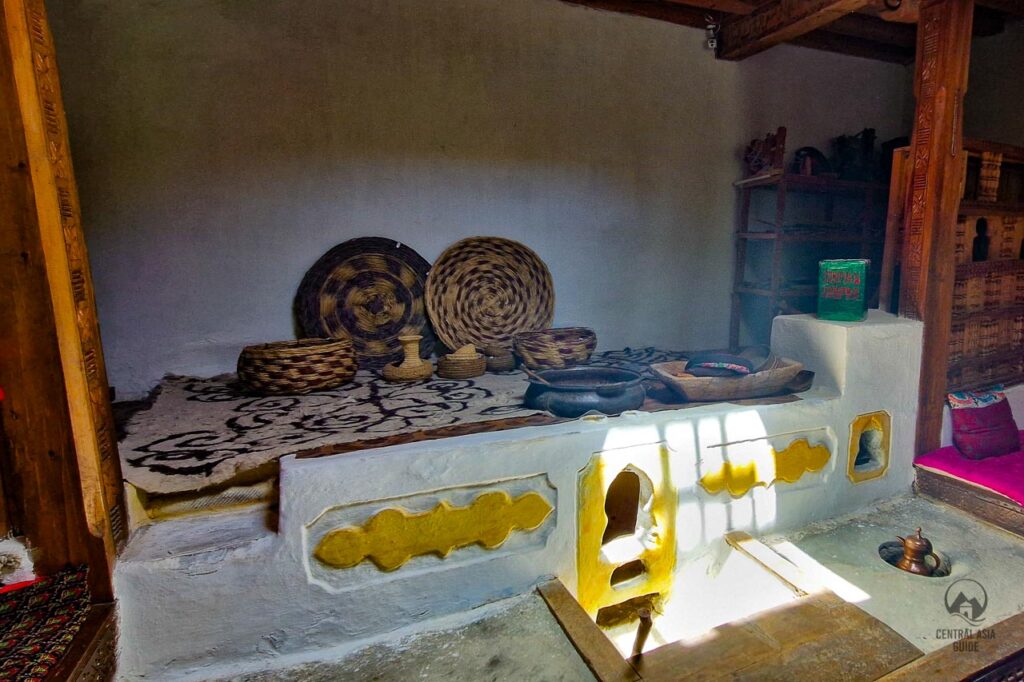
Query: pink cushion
<point>988,431</point>
<point>1003,474</point>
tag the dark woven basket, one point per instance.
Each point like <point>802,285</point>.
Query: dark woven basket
<point>368,290</point>
<point>555,348</point>
<point>302,366</point>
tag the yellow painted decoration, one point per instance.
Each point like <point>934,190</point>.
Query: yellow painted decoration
<point>653,543</point>
<point>872,421</point>
<point>798,458</point>
<point>393,536</point>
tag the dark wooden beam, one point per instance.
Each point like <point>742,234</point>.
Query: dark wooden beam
<point>824,39</point>
<point>779,22</point>
<point>988,22</point>
<point>662,11</point>
<point>727,6</point>
<point>936,150</point>
<point>873,29</point>
<point>1011,7</point>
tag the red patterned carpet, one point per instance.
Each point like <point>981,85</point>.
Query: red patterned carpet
<point>38,623</point>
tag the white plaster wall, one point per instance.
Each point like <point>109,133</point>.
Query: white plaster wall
<point>221,146</point>
<point>237,597</point>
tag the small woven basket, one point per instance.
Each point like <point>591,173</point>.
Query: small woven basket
<point>396,372</point>
<point>499,358</point>
<point>501,363</point>
<point>555,348</point>
<point>461,368</point>
<point>301,366</point>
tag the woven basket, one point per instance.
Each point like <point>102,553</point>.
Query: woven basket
<point>461,368</point>
<point>556,348</point>
<point>369,290</point>
<point>485,290</point>
<point>396,372</point>
<point>501,363</point>
<point>296,366</point>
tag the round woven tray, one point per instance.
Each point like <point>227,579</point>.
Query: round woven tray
<point>301,366</point>
<point>484,290</point>
<point>369,290</point>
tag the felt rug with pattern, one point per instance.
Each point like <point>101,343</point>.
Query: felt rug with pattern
<point>38,624</point>
<point>207,433</point>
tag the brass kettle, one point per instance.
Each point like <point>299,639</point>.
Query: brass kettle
<point>916,549</point>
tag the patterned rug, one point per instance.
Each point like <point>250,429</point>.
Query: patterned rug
<point>38,623</point>
<point>207,433</point>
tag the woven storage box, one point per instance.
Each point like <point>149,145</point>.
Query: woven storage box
<point>975,296</point>
<point>993,290</point>
<point>555,348</point>
<point>961,242</point>
<point>956,343</point>
<point>296,366</point>
<point>461,368</point>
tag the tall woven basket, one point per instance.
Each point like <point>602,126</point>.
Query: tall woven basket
<point>291,367</point>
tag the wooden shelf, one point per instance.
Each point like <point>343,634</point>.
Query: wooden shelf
<point>810,183</point>
<point>1008,379</point>
<point>988,267</point>
<point>808,290</point>
<point>799,237</point>
<point>985,208</point>
<point>999,358</point>
<point>999,313</point>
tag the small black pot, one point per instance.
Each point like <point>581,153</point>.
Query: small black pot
<point>578,390</point>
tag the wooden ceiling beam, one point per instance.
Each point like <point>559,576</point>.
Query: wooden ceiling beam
<point>826,40</point>
<point>988,22</point>
<point>727,6</point>
<point>1011,7</point>
<point>662,11</point>
<point>876,30</point>
<point>779,22</point>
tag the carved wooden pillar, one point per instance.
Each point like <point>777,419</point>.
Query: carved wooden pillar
<point>57,415</point>
<point>943,54</point>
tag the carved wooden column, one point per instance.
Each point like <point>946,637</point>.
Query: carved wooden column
<point>943,54</point>
<point>57,416</point>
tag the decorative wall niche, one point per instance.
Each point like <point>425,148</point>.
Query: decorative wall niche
<point>870,438</point>
<point>626,543</point>
<point>350,547</point>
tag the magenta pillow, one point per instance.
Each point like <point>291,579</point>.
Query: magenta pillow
<point>989,431</point>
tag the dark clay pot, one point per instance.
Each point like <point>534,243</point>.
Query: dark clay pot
<point>579,390</point>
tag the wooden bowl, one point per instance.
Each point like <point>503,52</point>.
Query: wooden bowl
<point>766,382</point>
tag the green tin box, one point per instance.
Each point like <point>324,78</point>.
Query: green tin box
<point>842,288</point>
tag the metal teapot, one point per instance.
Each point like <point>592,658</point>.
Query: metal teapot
<point>916,549</point>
